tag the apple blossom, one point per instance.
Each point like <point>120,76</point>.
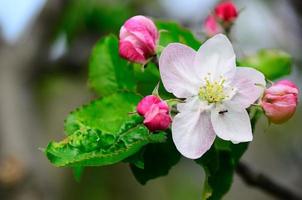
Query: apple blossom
<point>217,94</point>
<point>138,37</point>
<point>280,101</point>
<point>155,112</point>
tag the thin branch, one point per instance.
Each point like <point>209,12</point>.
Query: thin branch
<point>265,183</point>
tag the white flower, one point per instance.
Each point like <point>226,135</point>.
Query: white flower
<point>217,94</point>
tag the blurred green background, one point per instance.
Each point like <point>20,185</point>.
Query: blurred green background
<point>44,51</point>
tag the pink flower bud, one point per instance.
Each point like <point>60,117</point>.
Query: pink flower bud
<point>157,119</point>
<point>226,11</point>
<point>280,101</point>
<point>155,112</point>
<point>145,104</point>
<point>211,26</point>
<point>138,37</point>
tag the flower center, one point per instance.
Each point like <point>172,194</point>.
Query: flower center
<point>212,92</point>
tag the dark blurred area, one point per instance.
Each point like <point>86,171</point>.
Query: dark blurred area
<point>44,52</point>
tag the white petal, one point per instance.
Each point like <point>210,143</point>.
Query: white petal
<point>216,56</point>
<point>177,72</point>
<point>192,133</point>
<point>232,123</point>
<point>250,84</point>
<point>191,103</point>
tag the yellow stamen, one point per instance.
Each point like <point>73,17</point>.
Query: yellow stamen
<point>212,92</point>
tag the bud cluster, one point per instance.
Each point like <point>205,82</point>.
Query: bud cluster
<point>156,113</point>
<point>221,19</point>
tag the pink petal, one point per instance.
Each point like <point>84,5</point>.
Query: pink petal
<point>157,119</point>
<point>211,26</point>
<point>232,123</point>
<point>177,71</point>
<point>145,104</point>
<point>192,133</point>
<point>250,85</point>
<point>128,51</point>
<point>216,56</point>
<point>283,87</point>
<point>144,29</point>
<point>139,22</point>
<point>287,83</point>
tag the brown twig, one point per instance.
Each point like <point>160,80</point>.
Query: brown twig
<point>265,183</point>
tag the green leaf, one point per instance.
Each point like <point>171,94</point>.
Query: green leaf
<point>108,72</point>
<point>102,133</point>
<point>106,114</point>
<point>158,159</point>
<point>219,164</point>
<point>136,159</point>
<point>92,147</point>
<point>173,32</point>
<point>212,163</point>
<point>272,63</point>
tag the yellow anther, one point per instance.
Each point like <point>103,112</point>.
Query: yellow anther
<point>212,92</point>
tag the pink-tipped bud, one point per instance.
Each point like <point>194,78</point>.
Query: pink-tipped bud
<point>145,104</point>
<point>211,26</point>
<point>280,101</point>
<point>138,37</point>
<point>226,11</point>
<point>155,112</point>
